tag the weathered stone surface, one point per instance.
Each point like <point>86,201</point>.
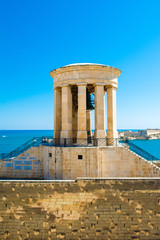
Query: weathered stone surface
<point>111,114</point>
<point>82,120</point>
<point>66,112</point>
<point>57,112</point>
<point>83,209</point>
<point>64,163</point>
<point>98,79</point>
<point>99,111</point>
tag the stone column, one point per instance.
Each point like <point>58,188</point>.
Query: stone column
<point>57,113</point>
<point>112,134</point>
<point>66,112</point>
<point>99,113</point>
<point>88,113</point>
<point>74,123</point>
<point>82,128</point>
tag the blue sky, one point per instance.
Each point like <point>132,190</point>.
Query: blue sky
<point>39,36</point>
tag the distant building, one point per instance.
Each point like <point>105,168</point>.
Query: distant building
<point>149,133</point>
<point>152,132</point>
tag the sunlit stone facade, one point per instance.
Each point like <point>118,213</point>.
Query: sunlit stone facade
<point>52,159</point>
<point>76,80</point>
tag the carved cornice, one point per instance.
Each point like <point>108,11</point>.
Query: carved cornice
<point>82,74</point>
<point>85,67</point>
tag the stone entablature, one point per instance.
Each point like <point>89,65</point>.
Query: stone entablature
<point>70,122</point>
<point>85,73</point>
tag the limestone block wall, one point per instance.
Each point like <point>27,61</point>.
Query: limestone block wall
<point>46,162</point>
<point>53,163</point>
<point>121,162</point>
<point>29,164</point>
<point>70,163</point>
<point>80,162</point>
<point>74,162</point>
<point>84,209</point>
<point>157,163</point>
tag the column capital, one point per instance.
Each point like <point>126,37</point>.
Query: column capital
<point>64,85</point>
<point>56,88</point>
<point>81,84</point>
<point>111,87</point>
<point>99,84</point>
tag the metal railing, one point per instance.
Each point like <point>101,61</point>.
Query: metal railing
<point>77,142</point>
<point>84,142</point>
<point>34,142</point>
<point>62,142</point>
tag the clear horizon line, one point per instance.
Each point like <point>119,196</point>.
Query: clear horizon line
<point>53,129</point>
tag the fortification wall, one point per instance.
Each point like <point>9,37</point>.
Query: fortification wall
<point>46,162</point>
<point>84,209</point>
<point>73,162</point>
<point>121,162</point>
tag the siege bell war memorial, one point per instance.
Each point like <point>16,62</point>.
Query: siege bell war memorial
<point>80,184</point>
<point>73,86</point>
<point>74,151</point>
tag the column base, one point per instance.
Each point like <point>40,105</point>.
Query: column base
<point>82,134</point>
<point>112,137</point>
<point>66,134</point>
<point>74,134</point>
<point>56,137</point>
<point>100,138</point>
<point>57,134</point>
<point>100,134</point>
<point>82,138</point>
<point>66,138</point>
<point>112,134</point>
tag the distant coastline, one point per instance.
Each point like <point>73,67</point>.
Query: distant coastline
<point>15,138</point>
<point>148,134</point>
<point>130,134</point>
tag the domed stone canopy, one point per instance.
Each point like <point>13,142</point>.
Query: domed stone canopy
<point>89,73</point>
<point>73,85</point>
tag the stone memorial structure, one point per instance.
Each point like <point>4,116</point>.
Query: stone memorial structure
<point>98,188</point>
<point>73,85</point>
<point>74,151</point>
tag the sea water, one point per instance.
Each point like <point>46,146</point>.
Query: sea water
<point>152,146</point>
<point>11,139</point>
